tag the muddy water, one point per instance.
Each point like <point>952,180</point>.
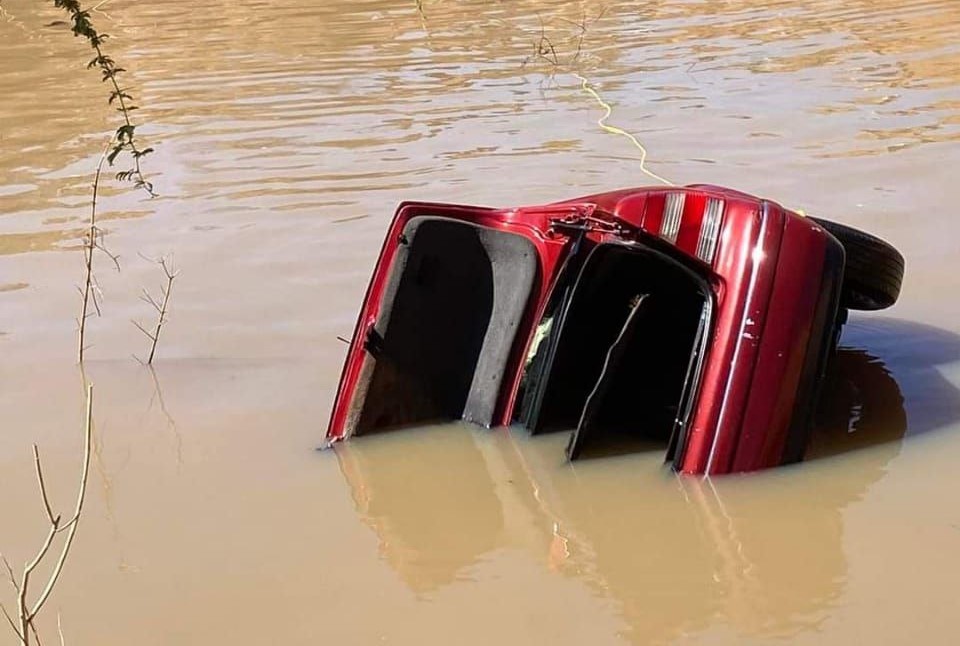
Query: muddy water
<point>286,132</point>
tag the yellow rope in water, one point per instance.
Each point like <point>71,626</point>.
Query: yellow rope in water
<point>586,87</point>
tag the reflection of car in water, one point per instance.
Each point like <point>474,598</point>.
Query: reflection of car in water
<point>434,512</point>
<point>698,318</point>
<point>760,553</point>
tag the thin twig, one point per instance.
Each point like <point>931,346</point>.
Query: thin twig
<point>32,565</point>
<point>26,612</point>
<point>43,488</point>
<point>90,243</point>
<point>74,521</point>
<point>146,297</point>
<point>13,578</point>
<point>10,621</point>
<point>544,51</point>
<point>115,258</point>
<point>141,328</point>
<point>160,307</point>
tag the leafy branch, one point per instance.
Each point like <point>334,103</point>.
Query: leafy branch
<point>125,136</point>
<point>124,139</point>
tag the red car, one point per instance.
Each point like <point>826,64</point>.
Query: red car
<point>699,319</point>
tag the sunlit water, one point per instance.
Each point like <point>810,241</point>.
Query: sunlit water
<point>286,133</point>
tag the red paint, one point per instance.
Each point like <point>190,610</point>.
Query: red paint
<point>766,277</point>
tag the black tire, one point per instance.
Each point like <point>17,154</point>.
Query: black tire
<point>874,270</point>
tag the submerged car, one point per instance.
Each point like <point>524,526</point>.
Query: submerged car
<point>698,318</point>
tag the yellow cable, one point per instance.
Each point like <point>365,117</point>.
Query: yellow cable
<point>586,87</point>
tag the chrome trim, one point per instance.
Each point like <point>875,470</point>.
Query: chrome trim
<point>710,230</point>
<point>672,213</point>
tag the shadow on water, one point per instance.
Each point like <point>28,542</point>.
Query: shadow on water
<point>762,553</point>
<point>887,382</point>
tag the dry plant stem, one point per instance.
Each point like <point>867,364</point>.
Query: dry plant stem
<point>88,247</point>
<point>13,579</point>
<point>545,51</point>
<point>13,626</point>
<point>163,311</point>
<point>422,15</point>
<point>28,611</point>
<point>160,307</point>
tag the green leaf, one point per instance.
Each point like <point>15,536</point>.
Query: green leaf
<point>118,95</point>
<point>125,133</point>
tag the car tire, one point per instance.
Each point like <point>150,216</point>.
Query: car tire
<point>874,269</point>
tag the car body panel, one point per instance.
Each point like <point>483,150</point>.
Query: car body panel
<point>773,277</point>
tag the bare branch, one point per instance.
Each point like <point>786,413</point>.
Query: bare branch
<point>141,328</point>
<point>66,526</point>
<point>90,243</point>
<point>10,621</point>
<point>95,299</point>
<point>28,570</point>
<point>168,271</point>
<point>13,579</point>
<point>147,298</point>
<point>114,257</point>
<point>43,488</point>
<point>160,307</point>
<point>81,494</point>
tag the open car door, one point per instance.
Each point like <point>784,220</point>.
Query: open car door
<point>448,315</point>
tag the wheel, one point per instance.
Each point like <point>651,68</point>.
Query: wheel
<point>874,270</point>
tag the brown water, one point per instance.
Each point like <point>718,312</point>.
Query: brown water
<point>286,133</point>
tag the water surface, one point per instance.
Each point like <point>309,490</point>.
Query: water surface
<point>286,133</point>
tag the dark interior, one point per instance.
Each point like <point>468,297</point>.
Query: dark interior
<point>625,344</point>
<point>455,297</point>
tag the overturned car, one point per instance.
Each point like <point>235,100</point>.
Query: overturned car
<point>699,318</point>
